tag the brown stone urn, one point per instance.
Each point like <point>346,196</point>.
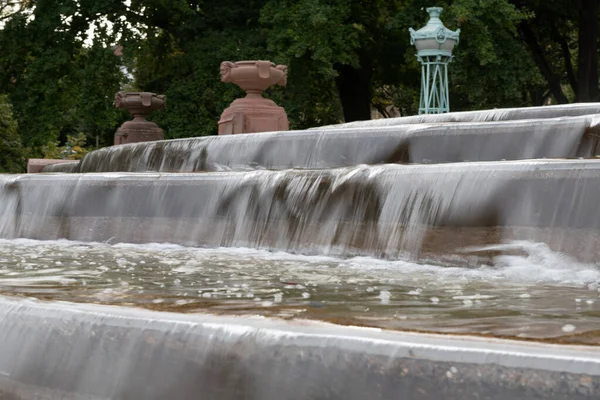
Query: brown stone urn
<point>140,105</point>
<point>253,113</point>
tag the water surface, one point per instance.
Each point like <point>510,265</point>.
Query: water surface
<point>539,295</point>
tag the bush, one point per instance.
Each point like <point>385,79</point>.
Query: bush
<point>72,150</point>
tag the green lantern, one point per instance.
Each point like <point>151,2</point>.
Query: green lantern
<point>434,43</point>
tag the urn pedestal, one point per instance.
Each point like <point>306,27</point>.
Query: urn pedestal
<point>140,105</point>
<point>253,113</point>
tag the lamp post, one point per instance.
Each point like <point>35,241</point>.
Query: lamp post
<point>434,43</point>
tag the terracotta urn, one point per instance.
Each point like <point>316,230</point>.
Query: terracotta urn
<point>140,105</point>
<point>253,113</point>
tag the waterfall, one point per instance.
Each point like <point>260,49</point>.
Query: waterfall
<point>239,267</point>
<point>383,211</point>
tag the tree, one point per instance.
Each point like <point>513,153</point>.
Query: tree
<point>562,37</point>
<point>179,54</point>
<point>8,8</point>
<point>13,155</point>
<point>342,41</point>
<point>492,67</point>
<point>57,83</point>
<point>345,58</point>
<point>366,51</point>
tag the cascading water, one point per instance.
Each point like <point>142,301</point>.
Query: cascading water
<point>382,211</point>
<point>331,148</point>
<point>228,267</point>
<point>501,114</point>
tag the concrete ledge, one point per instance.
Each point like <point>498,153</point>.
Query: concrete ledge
<point>37,165</point>
<point>84,351</point>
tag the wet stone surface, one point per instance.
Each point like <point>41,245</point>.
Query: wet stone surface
<point>537,295</point>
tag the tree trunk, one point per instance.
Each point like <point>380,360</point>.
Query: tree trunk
<point>354,87</point>
<point>587,70</point>
<point>553,80</point>
<point>566,51</point>
<point>538,96</point>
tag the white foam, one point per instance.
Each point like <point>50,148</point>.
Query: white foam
<point>538,265</point>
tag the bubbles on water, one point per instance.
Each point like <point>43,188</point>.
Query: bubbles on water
<point>568,328</point>
<point>476,296</point>
<point>385,297</point>
<point>276,283</point>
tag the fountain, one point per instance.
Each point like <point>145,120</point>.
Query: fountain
<point>449,256</point>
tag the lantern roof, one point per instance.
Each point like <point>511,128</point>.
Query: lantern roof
<point>434,38</point>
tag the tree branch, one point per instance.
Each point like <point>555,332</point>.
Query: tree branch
<point>381,109</point>
<point>7,8</point>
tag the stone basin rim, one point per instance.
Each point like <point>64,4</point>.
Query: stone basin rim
<point>576,359</point>
<point>543,164</point>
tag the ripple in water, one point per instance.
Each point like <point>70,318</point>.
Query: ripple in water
<point>529,292</point>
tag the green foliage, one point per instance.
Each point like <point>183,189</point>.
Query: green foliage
<point>180,54</point>
<point>492,67</point>
<point>98,79</point>
<point>339,43</point>
<point>345,57</point>
<point>74,148</point>
<point>12,154</point>
<point>59,86</point>
<point>562,39</point>
<point>316,30</point>
<point>195,95</point>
